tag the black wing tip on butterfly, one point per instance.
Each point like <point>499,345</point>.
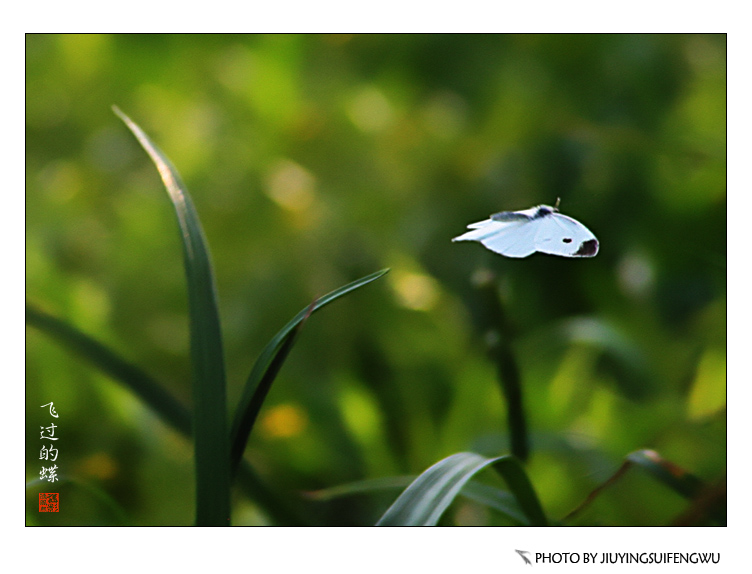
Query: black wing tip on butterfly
<point>587,248</point>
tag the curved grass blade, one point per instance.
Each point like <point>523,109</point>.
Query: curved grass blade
<point>157,398</point>
<point>426,499</point>
<point>500,500</point>
<point>212,452</point>
<point>519,484</point>
<point>270,362</point>
<point>141,383</point>
<point>257,399</point>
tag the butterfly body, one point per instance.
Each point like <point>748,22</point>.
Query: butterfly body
<point>541,228</point>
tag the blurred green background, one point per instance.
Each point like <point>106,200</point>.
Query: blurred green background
<point>314,160</point>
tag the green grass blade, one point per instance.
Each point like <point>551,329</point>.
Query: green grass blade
<point>212,453</point>
<point>249,416</point>
<point>158,399</point>
<point>270,362</point>
<point>500,500</point>
<point>426,499</point>
<point>107,361</point>
<point>519,484</point>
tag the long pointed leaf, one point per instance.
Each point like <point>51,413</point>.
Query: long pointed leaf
<point>426,499</point>
<point>249,416</point>
<point>141,383</point>
<point>500,500</point>
<point>212,452</point>
<point>270,361</point>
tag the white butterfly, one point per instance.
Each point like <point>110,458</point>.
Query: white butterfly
<point>541,228</point>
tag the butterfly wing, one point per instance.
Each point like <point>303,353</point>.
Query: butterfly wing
<point>515,238</point>
<point>558,234</point>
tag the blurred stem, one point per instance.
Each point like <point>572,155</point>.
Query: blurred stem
<point>596,491</point>
<point>498,337</point>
